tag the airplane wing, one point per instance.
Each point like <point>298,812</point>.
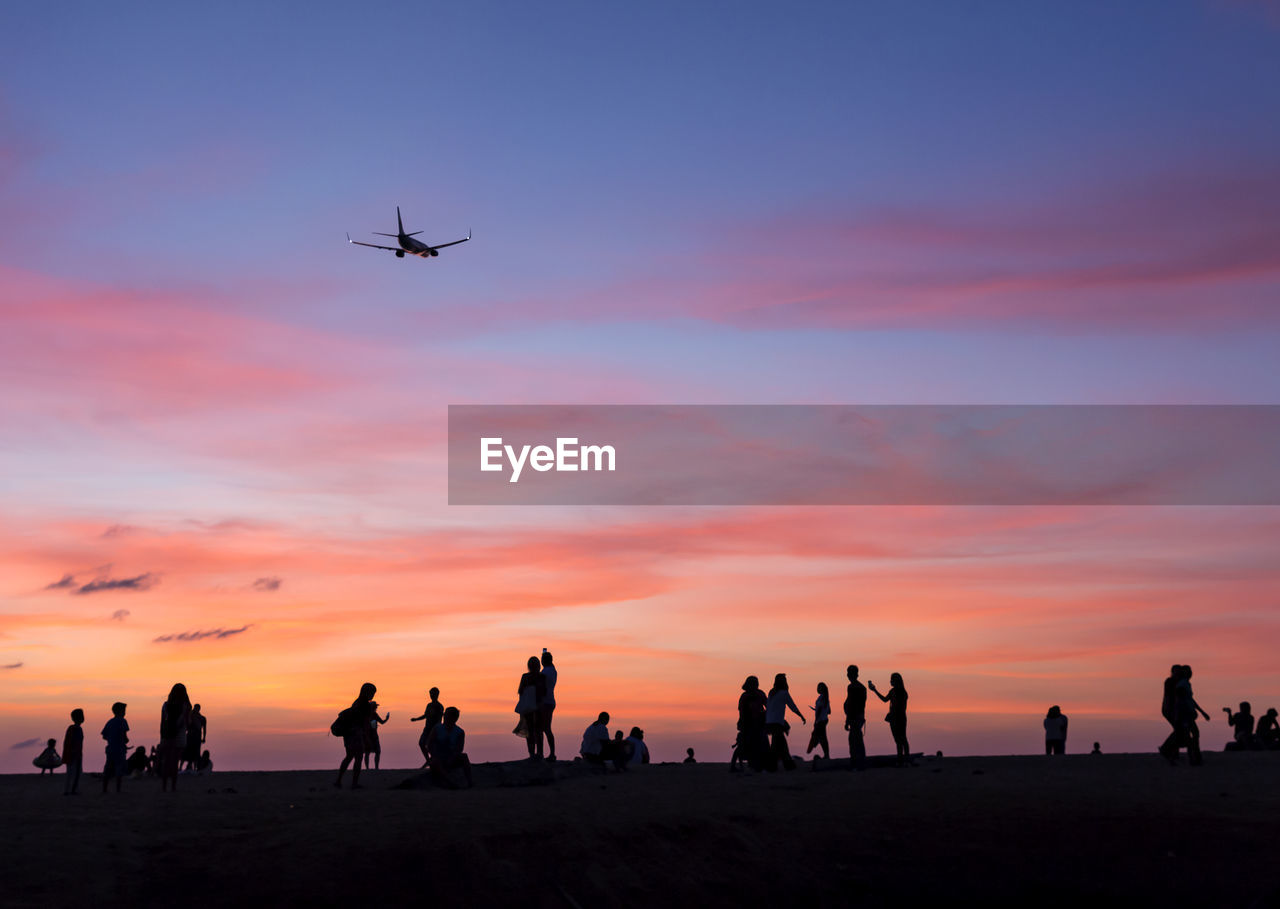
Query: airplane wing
<point>372,245</point>
<point>454,243</point>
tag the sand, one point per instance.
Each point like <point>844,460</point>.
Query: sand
<point>1028,831</point>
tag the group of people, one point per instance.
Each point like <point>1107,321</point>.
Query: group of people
<point>443,741</point>
<point>763,727</point>
<point>598,748</point>
<point>183,731</point>
<point>1266,737</point>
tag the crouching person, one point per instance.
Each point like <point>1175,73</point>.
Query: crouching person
<point>445,749</point>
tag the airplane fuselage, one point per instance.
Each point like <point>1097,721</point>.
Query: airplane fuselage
<point>414,248</point>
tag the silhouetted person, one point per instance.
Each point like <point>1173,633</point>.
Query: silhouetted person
<point>175,719</point>
<point>137,763</point>
<point>689,758</point>
<point>821,714</point>
<point>1242,722</point>
<point>197,729</point>
<point>432,714</point>
<point>897,715</point>
<point>1055,731</point>
<point>154,760</point>
<point>1097,748</point>
<point>775,723</point>
<point>1168,709</point>
<point>375,742</point>
<point>1186,734</point>
<point>752,745</point>
<point>597,747</point>
<point>548,703</point>
<point>1268,731</point>
<point>116,733</point>
<point>448,750</point>
<point>532,691</point>
<point>204,763</point>
<point>353,725</point>
<point>855,719</point>
<point>49,759</point>
<point>636,750</point>
<point>73,752</point>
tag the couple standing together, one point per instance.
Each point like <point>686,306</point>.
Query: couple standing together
<point>537,703</point>
<point>855,717</point>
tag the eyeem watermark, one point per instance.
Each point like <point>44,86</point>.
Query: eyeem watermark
<point>567,456</point>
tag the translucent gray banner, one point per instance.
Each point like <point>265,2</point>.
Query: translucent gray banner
<point>864,455</point>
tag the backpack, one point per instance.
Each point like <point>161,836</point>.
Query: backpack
<point>342,725</point>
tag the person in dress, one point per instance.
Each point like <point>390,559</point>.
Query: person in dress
<point>532,691</point>
<point>73,752</point>
<point>175,720</point>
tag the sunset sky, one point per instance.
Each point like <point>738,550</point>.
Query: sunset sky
<point>222,429</point>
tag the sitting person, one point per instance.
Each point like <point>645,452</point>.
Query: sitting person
<point>690,759</point>
<point>637,751</point>
<point>1242,722</point>
<point>48,759</point>
<point>204,763</point>
<point>446,750</point>
<point>1269,730</point>
<point>138,765</point>
<point>597,747</point>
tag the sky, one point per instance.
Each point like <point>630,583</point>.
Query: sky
<point>223,430</point>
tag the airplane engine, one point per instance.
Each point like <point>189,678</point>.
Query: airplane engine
<point>399,253</point>
<point>435,252</point>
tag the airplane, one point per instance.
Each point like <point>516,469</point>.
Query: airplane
<point>407,243</point>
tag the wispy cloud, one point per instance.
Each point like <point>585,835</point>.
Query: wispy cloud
<point>66,581</point>
<point>120,615</point>
<point>25,743</point>
<point>12,666</point>
<point>215,633</point>
<point>140,582</point>
<point>267,585</point>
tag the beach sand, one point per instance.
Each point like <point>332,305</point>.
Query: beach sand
<point>1029,831</point>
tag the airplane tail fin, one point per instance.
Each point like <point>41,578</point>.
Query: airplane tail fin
<point>399,223</point>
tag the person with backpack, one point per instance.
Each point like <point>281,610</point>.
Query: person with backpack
<point>352,725</point>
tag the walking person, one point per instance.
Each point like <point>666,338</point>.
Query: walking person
<point>821,714</point>
<point>855,719</point>
<point>1055,731</point>
<point>432,714</point>
<point>353,725</point>
<point>116,733</point>
<point>175,719</point>
<point>775,723</point>
<point>1186,710</point>
<point>532,692</point>
<point>897,715</point>
<point>548,703</point>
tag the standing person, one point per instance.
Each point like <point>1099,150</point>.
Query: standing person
<point>548,703</point>
<point>775,723</point>
<point>821,714</point>
<point>197,728</point>
<point>447,749</point>
<point>116,733</point>
<point>175,718</point>
<point>855,719</point>
<point>1055,731</point>
<point>375,743</point>
<point>73,752</point>
<point>897,715</point>
<point>752,746</point>
<point>431,716</point>
<point>532,691</point>
<point>49,759</point>
<point>353,725</point>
